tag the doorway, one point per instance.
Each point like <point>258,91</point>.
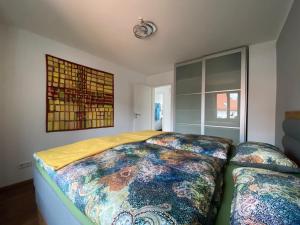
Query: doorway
<point>161,108</point>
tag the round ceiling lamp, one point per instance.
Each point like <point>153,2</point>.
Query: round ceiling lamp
<point>144,29</point>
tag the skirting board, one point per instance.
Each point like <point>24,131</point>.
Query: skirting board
<point>16,186</point>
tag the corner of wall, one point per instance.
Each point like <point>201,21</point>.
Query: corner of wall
<point>288,67</point>
<point>262,92</point>
<point>281,27</point>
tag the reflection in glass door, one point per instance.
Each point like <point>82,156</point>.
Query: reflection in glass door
<point>227,105</point>
<point>222,94</point>
<point>222,114</point>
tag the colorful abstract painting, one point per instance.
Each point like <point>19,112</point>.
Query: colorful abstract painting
<point>78,97</point>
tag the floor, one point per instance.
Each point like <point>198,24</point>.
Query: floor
<point>17,205</point>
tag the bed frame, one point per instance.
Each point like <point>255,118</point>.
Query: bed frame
<point>293,115</point>
<point>51,210</point>
<point>291,139</point>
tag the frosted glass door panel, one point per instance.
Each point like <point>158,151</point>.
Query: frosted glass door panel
<point>233,134</point>
<point>222,109</point>
<point>188,129</point>
<point>188,102</point>
<point>223,73</point>
<point>188,109</point>
<point>189,116</point>
<point>189,78</point>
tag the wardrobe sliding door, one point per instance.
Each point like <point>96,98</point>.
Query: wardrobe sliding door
<point>222,96</point>
<point>188,98</point>
<point>211,96</point>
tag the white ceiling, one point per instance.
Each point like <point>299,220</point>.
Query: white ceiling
<point>186,28</point>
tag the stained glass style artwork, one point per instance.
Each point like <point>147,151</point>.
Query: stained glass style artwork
<point>78,97</point>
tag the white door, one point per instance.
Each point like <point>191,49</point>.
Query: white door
<point>142,107</point>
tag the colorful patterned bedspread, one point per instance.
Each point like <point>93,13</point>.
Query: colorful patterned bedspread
<point>264,197</point>
<point>208,145</point>
<point>265,156</point>
<point>142,184</point>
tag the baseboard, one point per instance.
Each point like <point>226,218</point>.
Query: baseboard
<point>16,186</point>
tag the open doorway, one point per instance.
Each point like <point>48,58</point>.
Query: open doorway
<point>161,108</point>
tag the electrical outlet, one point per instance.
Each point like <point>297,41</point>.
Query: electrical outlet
<point>24,165</point>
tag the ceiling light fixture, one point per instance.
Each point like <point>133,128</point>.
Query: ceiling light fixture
<point>144,29</point>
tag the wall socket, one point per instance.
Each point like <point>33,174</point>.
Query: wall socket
<point>24,165</point>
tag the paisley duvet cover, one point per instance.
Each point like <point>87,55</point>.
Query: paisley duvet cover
<point>142,184</point>
<point>208,145</point>
<point>262,155</point>
<point>264,197</point>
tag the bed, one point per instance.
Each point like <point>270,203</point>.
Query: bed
<point>161,178</point>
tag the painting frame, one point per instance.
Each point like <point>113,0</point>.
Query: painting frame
<point>110,103</point>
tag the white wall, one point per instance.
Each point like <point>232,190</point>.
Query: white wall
<point>262,92</point>
<point>161,79</point>
<point>288,66</point>
<point>142,107</point>
<point>23,79</point>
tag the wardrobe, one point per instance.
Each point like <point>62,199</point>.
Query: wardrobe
<point>211,95</point>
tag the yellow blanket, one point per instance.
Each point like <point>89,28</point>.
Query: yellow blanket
<point>64,155</point>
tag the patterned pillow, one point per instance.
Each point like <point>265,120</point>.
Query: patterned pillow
<point>207,145</point>
<point>265,197</point>
<point>263,155</point>
<point>252,144</point>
